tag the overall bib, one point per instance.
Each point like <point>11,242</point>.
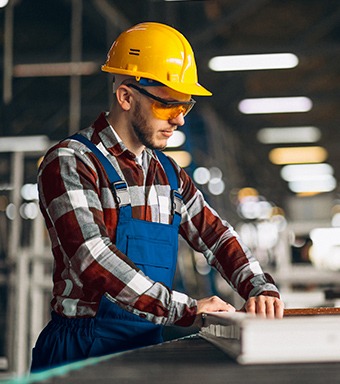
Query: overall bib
<point>152,247</point>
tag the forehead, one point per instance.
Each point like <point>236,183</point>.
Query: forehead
<point>168,93</point>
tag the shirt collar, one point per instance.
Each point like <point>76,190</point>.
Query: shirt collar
<point>111,139</point>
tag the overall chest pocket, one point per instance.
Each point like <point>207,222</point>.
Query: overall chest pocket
<point>155,257</point>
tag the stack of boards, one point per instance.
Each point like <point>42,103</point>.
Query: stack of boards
<point>302,336</point>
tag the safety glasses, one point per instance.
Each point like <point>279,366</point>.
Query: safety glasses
<point>165,109</point>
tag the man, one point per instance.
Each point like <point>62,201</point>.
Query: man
<point>114,206</point>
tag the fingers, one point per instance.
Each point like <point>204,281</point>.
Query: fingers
<point>265,306</point>
<point>213,304</point>
<point>279,308</point>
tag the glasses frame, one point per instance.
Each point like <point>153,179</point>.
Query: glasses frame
<point>168,103</point>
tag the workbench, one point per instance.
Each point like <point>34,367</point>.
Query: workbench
<point>187,360</point>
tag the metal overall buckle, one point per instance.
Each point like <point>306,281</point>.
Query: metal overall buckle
<point>121,192</point>
<point>176,199</point>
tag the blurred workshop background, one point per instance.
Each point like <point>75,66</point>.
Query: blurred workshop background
<point>264,148</point>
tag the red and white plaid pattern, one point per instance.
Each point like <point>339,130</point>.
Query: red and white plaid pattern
<point>81,217</point>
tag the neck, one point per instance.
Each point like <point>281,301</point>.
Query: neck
<point>126,133</point>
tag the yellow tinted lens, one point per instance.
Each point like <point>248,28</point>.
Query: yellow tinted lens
<point>166,112</point>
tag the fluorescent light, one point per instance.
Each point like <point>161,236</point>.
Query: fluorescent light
<point>289,135</point>
<point>323,236</point>
<point>326,183</point>
<point>215,173</point>
<point>247,193</point>
<point>29,191</point>
<point>336,220</point>
<point>55,69</point>
<point>216,186</point>
<point>37,143</point>
<point>3,3</point>
<point>201,175</point>
<point>275,105</point>
<point>309,178</point>
<point>324,253</point>
<point>298,155</point>
<point>295,172</point>
<point>253,62</point>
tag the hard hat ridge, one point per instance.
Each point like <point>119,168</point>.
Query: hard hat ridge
<point>158,52</point>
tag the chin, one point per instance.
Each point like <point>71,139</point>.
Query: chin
<point>163,146</point>
<point>160,145</point>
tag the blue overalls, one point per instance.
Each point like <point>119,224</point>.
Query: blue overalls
<point>153,248</point>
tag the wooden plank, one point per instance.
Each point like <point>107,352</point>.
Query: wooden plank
<point>312,311</point>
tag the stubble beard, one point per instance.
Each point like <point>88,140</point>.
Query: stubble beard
<point>143,131</point>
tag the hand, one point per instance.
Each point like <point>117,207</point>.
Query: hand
<point>264,306</point>
<point>213,304</point>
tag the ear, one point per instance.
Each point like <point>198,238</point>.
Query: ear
<point>124,97</point>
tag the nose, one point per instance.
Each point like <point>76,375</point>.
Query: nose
<point>178,120</point>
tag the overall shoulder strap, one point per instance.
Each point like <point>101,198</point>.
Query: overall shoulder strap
<point>169,169</point>
<point>173,181</point>
<point>119,187</point>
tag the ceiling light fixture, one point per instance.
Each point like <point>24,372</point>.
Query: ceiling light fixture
<point>327,183</point>
<point>201,175</point>
<point>253,62</point>
<point>298,155</point>
<point>3,3</point>
<point>295,172</point>
<point>55,69</point>
<point>275,105</point>
<point>38,143</point>
<point>277,135</point>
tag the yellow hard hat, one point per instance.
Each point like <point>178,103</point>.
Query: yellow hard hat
<point>157,52</point>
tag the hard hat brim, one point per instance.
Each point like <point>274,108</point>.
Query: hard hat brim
<point>194,89</point>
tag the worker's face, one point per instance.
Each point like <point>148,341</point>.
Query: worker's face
<point>151,130</point>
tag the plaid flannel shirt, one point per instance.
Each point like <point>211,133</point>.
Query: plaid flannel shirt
<point>81,217</point>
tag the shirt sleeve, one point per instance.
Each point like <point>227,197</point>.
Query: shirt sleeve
<point>216,239</point>
<point>87,263</point>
